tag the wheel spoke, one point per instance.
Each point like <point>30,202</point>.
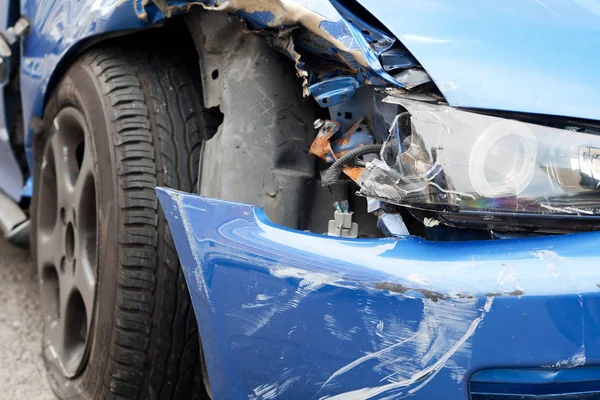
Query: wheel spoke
<point>85,281</point>
<point>54,340</point>
<point>66,245</point>
<point>58,328</point>
<point>66,333</point>
<point>67,143</point>
<point>50,247</point>
<point>61,153</point>
<point>86,173</point>
<point>84,202</point>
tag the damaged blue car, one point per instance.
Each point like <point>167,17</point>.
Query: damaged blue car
<point>343,199</point>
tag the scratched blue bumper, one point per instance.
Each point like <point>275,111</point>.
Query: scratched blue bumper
<point>290,314</point>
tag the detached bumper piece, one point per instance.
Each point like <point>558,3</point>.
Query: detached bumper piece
<point>293,314</point>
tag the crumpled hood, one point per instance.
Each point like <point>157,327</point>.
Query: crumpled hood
<point>539,56</point>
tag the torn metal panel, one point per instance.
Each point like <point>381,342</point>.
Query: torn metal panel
<point>374,318</point>
<point>333,32</point>
<point>413,77</point>
<point>395,59</point>
<point>381,41</point>
<point>281,13</point>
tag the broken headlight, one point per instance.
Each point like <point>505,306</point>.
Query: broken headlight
<point>479,170</point>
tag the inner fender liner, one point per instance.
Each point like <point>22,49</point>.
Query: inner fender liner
<point>259,154</point>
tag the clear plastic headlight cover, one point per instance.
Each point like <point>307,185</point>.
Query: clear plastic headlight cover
<point>444,159</point>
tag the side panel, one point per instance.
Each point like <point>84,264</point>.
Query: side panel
<point>297,315</point>
<point>11,177</point>
<point>57,28</point>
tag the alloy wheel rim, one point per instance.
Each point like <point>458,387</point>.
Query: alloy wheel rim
<point>67,247</point>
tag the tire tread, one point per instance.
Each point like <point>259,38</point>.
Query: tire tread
<point>157,133</point>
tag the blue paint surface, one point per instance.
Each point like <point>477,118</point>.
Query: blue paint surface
<point>528,56</point>
<point>260,19</point>
<point>27,191</point>
<point>333,91</point>
<point>57,28</point>
<point>297,314</point>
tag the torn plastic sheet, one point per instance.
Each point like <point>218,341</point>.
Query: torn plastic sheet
<point>451,160</point>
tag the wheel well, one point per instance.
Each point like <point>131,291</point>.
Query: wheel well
<point>270,128</point>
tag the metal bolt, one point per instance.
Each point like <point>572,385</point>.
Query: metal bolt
<point>318,123</point>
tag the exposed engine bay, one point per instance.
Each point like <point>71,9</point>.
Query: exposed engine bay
<point>394,158</point>
<point>462,174</point>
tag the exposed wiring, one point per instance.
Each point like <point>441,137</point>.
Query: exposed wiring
<point>332,174</point>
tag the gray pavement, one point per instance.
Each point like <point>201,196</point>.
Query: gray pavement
<point>22,374</point>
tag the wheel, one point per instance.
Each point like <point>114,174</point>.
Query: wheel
<point>118,319</point>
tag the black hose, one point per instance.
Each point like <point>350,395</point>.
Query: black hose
<point>332,174</point>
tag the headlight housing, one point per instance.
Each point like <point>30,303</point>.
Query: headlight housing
<point>476,169</point>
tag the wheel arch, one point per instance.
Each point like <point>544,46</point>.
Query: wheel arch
<point>42,68</point>
<point>52,45</point>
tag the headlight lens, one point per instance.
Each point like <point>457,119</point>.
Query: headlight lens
<point>458,163</point>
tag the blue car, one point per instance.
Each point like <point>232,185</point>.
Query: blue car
<point>336,199</point>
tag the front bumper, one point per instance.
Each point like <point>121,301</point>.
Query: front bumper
<point>299,315</point>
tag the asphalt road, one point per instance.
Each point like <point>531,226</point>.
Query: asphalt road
<point>22,373</point>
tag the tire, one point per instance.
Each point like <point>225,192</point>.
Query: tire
<point>133,334</point>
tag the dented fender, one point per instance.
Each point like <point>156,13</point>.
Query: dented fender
<point>284,312</point>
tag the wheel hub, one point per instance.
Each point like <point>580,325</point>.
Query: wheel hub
<point>67,247</point>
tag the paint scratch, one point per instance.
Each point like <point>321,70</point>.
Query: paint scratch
<point>547,8</point>
<point>421,377</point>
<point>189,230</point>
<point>370,356</point>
